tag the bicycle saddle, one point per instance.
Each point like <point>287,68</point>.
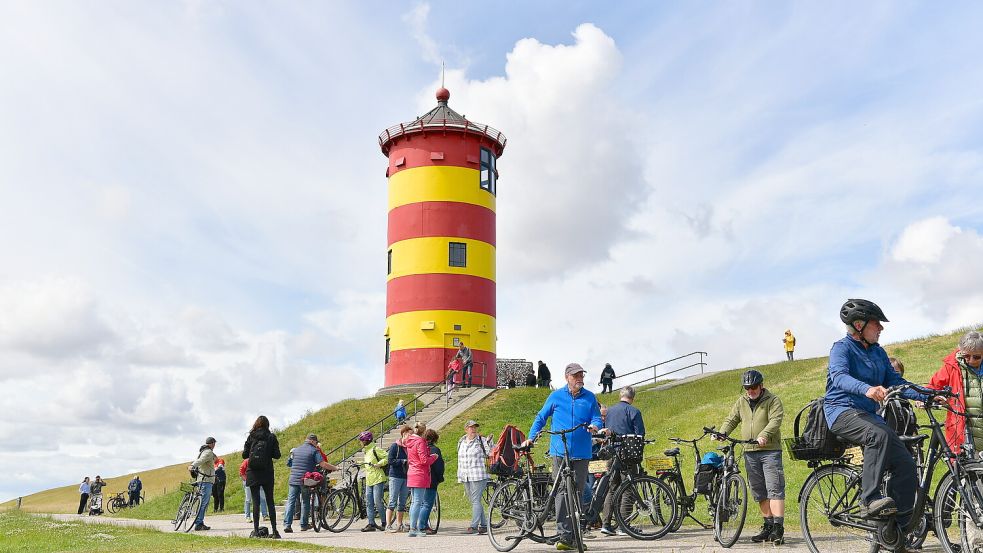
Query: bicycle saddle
<point>672,452</point>
<point>913,439</point>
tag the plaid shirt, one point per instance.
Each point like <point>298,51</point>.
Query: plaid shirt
<point>471,456</point>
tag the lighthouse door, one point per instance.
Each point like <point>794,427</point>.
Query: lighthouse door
<point>451,343</point>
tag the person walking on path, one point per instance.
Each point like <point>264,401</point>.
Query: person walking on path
<point>623,418</point>
<point>400,412</point>
<point>473,451</point>
<point>566,408</point>
<point>135,487</point>
<point>607,378</point>
<point>260,449</point>
<point>398,490</point>
<point>306,458</point>
<point>760,414</point>
<point>204,465</point>
<point>789,342</point>
<point>543,375</point>
<point>375,459</point>
<point>247,497</point>
<point>467,363</point>
<point>218,491</point>
<point>962,370</point>
<point>84,490</point>
<point>436,477</point>
<point>418,477</point>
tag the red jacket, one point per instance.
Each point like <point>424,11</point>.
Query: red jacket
<point>951,375</point>
<point>242,469</point>
<point>419,457</point>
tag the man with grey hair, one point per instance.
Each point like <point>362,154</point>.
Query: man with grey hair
<point>623,418</point>
<point>962,370</point>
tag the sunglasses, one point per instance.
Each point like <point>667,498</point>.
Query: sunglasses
<point>975,357</point>
<point>755,387</point>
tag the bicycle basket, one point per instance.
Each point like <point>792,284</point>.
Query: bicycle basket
<point>187,487</point>
<point>631,449</point>
<point>659,464</point>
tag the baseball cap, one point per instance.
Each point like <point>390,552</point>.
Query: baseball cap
<point>574,368</point>
<point>471,422</point>
<point>312,436</point>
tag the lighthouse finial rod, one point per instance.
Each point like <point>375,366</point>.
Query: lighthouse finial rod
<point>443,71</point>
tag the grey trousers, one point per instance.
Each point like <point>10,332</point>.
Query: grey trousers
<point>579,467</point>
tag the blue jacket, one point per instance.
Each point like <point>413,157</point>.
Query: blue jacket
<point>305,458</point>
<point>567,411</point>
<point>625,418</point>
<point>852,371</point>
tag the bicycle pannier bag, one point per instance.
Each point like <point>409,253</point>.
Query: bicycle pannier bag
<point>259,455</point>
<point>704,478</point>
<point>815,440</point>
<point>504,459</point>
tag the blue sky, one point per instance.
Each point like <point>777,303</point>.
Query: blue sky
<point>193,192</point>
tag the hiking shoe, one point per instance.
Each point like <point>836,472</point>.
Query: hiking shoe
<point>777,536</point>
<point>369,528</point>
<point>429,531</point>
<point>202,527</point>
<point>608,531</point>
<point>304,527</point>
<point>413,534</point>
<point>276,535</point>
<point>563,546</point>
<point>471,530</point>
<point>764,534</point>
<point>482,530</point>
<point>393,529</point>
<point>288,530</point>
<point>879,507</point>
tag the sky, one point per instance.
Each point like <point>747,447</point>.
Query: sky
<point>193,200</point>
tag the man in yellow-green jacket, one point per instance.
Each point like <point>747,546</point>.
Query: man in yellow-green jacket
<point>760,413</point>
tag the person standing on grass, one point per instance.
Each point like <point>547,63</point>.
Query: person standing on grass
<point>205,467</point>
<point>134,488</point>
<point>84,489</point>
<point>418,477</point>
<point>306,457</point>
<point>607,378</point>
<point>218,491</point>
<point>473,451</point>
<point>247,496</point>
<point>375,459</point>
<point>436,477</point>
<point>543,376</point>
<point>260,449</point>
<point>398,490</point>
<point>789,342</point>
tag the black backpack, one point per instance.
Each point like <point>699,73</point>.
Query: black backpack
<point>260,457</point>
<point>815,441</point>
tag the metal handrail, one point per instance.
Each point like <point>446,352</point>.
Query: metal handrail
<point>655,368</point>
<point>442,124</point>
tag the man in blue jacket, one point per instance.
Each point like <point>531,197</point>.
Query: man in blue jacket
<point>858,378</point>
<point>567,407</point>
<point>623,419</point>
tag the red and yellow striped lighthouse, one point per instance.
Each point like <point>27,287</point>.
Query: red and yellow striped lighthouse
<point>440,289</point>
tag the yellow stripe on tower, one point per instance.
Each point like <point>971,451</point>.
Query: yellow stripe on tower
<point>426,329</point>
<point>431,255</point>
<point>438,184</point>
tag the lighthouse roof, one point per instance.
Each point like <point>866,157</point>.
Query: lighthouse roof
<point>441,119</point>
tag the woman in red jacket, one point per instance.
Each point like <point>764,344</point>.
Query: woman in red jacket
<point>960,369</point>
<point>418,478</point>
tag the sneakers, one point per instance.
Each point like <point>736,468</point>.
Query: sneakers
<point>201,527</point>
<point>879,507</point>
<point>276,535</point>
<point>414,534</point>
<point>393,528</point>
<point>429,531</point>
<point>471,530</point>
<point>608,531</point>
<point>563,546</point>
<point>369,528</point>
<point>288,530</point>
<point>777,536</point>
<point>304,527</point>
<point>765,532</point>
<point>482,530</point>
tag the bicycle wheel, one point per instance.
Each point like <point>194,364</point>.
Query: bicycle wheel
<point>339,510</point>
<point>193,509</point>
<point>433,522</point>
<point>572,499</point>
<point>509,513</point>
<point>111,506</point>
<point>645,508</point>
<point>315,511</point>
<point>182,512</point>
<point>949,517</point>
<point>672,480</point>
<point>486,493</point>
<point>829,506</point>
<point>731,510</point>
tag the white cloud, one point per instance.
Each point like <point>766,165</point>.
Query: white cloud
<point>924,241</point>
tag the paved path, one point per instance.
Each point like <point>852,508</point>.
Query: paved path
<point>453,539</point>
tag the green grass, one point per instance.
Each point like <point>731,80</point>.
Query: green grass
<point>29,533</point>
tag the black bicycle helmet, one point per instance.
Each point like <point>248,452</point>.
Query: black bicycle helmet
<point>861,310</point>
<point>752,378</point>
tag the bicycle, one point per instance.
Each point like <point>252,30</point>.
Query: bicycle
<point>318,490</point>
<point>115,503</point>
<point>830,495</point>
<point>347,502</point>
<point>188,509</point>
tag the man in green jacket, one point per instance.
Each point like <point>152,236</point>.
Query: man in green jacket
<point>760,413</point>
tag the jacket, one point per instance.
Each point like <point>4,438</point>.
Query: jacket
<point>625,418</point>
<point>220,474</point>
<point>789,341</point>
<point>205,463</point>
<point>397,461</point>
<point>471,458</point>
<point>242,469</point>
<point>306,458</point>
<point>376,459</point>
<point>853,370</point>
<point>254,476</point>
<point>765,421</point>
<point>437,468</point>
<point>543,373</point>
<point>566,411</point>
<point>607,373</point>
<point>135,485</point>
<point>419,457</point>
<point>950,374</point>
<point>96,486</point>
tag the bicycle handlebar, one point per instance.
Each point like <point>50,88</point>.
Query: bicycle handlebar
<point>720,435</point>
<point>945,392</point>
<point>567,431</point>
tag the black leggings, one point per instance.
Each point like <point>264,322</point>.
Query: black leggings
<point>83,501</point>
<point>270,505</point>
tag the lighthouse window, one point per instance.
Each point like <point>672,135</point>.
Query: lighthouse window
<point>458,255</point>
<point>389,263</point>
<point>488,178</point>
<point>387,350</point>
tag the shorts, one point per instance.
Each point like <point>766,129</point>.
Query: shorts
<point>765,474</point>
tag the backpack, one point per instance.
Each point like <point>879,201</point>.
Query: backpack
<point>815,441</point>
<point>504,459</point>
<point>260,457</point>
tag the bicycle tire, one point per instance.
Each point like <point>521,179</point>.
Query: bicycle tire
<point>651,507</point>
<point>315,512</point>
<point>182,512</point>
<point>433,521</point>
<point>509,514</point>
<point>671,479</point>
<point>948,500</point>
<point>111,506</point>
<point>340,510</point>
<point>193,509</point>
<point>487,492</point>
<point>832,487</point>
<point>731,510</point>
<point>572,499</point>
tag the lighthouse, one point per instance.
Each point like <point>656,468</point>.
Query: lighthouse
<point>440,285</point>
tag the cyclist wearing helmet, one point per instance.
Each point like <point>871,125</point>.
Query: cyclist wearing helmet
<point>760,414</point>
<point>374,458</point>
<point>858,378</point>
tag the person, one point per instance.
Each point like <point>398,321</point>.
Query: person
<point>467,363</point>
<point>473,451</point>
<point>305,458</point>
<point>760,414</point>
<point>375,459</point>
<point>859,372</point>
<point>218,491</point>
<point>607,378</point>
<point>622,418</point>
<point>789,342</point>
<point>247,496</point>
<point>418,477</point>
<point>260,449</point>
<point>204,465</point>
<point>398,490</point>
<point>134,488</point>
<point>436,477</point>
<point>84,490</point>
<point>453,369</point>
<point>95,495</point>
<point>897,365</point>
<point>530,379</point>
<point>566,408</point>
<point>400,412</point>
<point>962,371</point>
<point>543,375</point>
